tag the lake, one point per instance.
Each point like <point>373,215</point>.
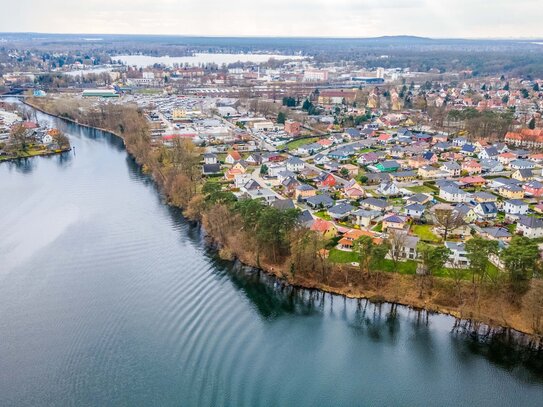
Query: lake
<point>200,59</point>
<point>108,297</point>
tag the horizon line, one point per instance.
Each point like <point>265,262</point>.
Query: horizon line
<point>384,36</point>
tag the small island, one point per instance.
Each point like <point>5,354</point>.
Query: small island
<point>25,138</point>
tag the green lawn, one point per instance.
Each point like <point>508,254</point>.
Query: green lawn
<point>420,189</point>
<point>424,232</point>
<point>378,227</point>
<point>340,256</point>
<point>294,144</point>
<point>323,215</point>
<point>403,267</point>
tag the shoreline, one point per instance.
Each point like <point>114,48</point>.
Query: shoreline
<point>46,154</point>
<point>393,296</point>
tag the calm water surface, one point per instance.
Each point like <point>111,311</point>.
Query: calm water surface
<point>200,58</point>
<point>108,298</point>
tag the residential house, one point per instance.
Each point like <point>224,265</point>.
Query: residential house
<point>295,164</point>
<point>274,169</point>
<point>506,158</point>
<point>321,159</point>
<point>320,201</point>
<point>407,245</point>
<point>283,204</point>
<point>452,168</point>
<point>414,210</point>
<point>290,184</point>
<point>403,176</point>
<point>486,210</point>
<point>304,191</point>
<point>521,165</point>
<point>352,170</point>
<point>364,218</point>
<point>523,175</point>
<point>241,179</point>
<point>467,211</point>
<point>430,157</point>
<point>419,198</point>
<point>368,158</point>
<point>353,190</point>
<point>387,166</point>
<point>325,180</point>
<point>473,181</point>
<point>533,188</point>
<point>394,222</point>
<point>350,237</point>
<point>428,172</point>
<point>468,150</point>
<point>210,158</point>
<point>515,207</point>
<point>530,227</point>
<point>458,254</point>
<point>490,166</point>
<point>340,211</point>
<point>324,227</point>
<point>309,149</point>
<point>459,141</point>
<point>232,157</point>
<point>342,154</point>
<point>472,167</point>
<point>511,191</point>
<point>262,194</point>
<point>306,219</point>
<point>388,188</point>
<point>489,153</point>
<point>482,196</point>
<point>375,204</point>
<point>496,233</point>
<point>332,166</point>
<point>454,194</point>
<point>211,169</point>
<point>254,159</point>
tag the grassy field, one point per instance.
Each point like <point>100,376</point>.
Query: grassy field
<point>294,144</point>
<point>403,267</point>
<point>420,189</point>
<point>424,232</point>
<point>339,256</point>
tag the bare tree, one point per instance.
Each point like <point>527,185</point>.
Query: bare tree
<point>447,218</point>
<point>396,240</point>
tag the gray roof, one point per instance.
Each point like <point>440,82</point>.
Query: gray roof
<point>455,246</point>
<point>497,232</point>
<point>211,168</point>
<point>283,204</point>
<point>381,203</point>
<point>323,200</point>
<point>363,213</point>
<point>341,209</point>
<point>531,222</point>
<point>415,207</point>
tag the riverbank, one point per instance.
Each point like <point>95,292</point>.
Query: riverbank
<point>490,305</point>
<point>32,153</point>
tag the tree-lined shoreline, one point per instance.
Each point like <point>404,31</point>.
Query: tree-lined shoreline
<point>272,240</point>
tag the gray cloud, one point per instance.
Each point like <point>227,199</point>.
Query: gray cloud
<point>351,18</point>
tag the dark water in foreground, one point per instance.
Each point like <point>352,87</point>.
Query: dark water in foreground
<point>108,298</point>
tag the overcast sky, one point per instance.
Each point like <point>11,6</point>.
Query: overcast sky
<point>325,18</point>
